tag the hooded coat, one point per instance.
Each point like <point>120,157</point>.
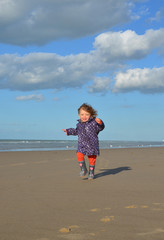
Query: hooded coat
<point>87,133</point>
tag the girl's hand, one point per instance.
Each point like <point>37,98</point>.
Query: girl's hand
<point>65,130</point>
<point>98,120</point>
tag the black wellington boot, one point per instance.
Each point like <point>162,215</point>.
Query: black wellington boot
<point>83,169</point>
<point>91,172</point>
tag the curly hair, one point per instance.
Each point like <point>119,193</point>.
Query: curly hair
<point>88,108</point>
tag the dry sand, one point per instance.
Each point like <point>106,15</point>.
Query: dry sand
<point>43,198</point>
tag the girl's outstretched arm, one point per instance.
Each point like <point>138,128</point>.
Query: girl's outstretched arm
<point>71,131</point>
<point>98,120</point>
<point>64,130</point>
<point>100,124</point>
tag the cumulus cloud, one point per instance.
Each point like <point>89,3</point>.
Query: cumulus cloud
<point>37,71</point>
<point>41,21</point>
<point>116,46</point>
<point>100,85</point>
<point>34,97</point>
<point>143,80</point>
<point>45,71</point>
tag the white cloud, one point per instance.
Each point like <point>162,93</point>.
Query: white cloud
<point>34,97</point>
<point>100,85</point>
<point>45,71</point>
<point>51,71</point>
<point>38,22</point>
<point>143,80</point>
<point>116,46</point>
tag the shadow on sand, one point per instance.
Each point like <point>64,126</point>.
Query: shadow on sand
<point>105,172</point>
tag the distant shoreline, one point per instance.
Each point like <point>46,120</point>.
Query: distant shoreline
<point>54,145</point>
<point>70,149</point>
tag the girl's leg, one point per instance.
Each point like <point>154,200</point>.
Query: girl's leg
<point>92,161</point>
<point>80,158</point>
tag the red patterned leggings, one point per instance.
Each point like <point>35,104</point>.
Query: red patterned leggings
<point>91,158</point>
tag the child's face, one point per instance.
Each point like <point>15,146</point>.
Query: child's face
<point>84,116</point>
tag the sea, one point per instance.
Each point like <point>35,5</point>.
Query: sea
<point>52,145</point>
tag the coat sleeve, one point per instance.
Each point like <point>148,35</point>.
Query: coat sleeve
<point>71,131</point>
<point>101,126</point>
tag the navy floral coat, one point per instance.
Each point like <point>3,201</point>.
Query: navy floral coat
<point>87,132</point>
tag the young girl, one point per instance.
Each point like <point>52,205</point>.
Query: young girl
<point>87,129</point>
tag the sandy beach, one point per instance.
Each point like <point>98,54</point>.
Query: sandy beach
<point>43,198</point>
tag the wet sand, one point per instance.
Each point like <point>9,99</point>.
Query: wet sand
<point>43,198</point>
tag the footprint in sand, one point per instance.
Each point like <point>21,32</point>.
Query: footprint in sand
<point>98,209</point>
<point>135,206</point>
<point>107,219</point>
<point>67,233</point>
<point>65,230</point>
<point>157,206</point>
<point>95,210</point>
<point>68,229</point>
<point>131,206</point>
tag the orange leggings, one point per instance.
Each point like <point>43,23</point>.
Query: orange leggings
<point>91,158</point>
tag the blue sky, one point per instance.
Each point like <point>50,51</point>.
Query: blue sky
<point>57,54</point>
